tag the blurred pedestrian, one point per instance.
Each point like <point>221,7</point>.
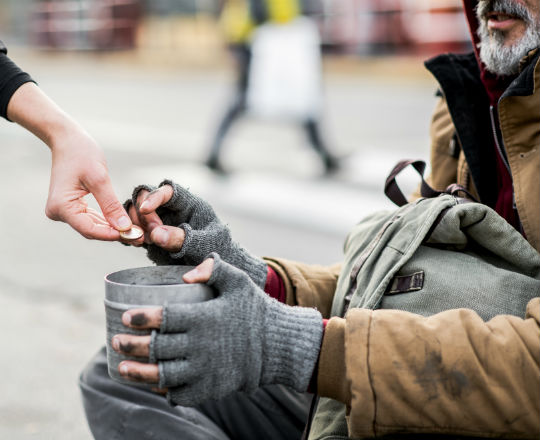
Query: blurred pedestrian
<point>78,163</point>
<point>241,20</point>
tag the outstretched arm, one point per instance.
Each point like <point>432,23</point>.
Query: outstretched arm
<point>78,163</point>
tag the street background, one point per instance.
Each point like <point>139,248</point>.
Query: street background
<point>153,108</point>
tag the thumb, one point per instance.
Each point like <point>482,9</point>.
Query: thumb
<point>112,209</point>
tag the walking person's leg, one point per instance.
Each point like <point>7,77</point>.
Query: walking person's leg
<point>242,54</point>
<point>314,135</point>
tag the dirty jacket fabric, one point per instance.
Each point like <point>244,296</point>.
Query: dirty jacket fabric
<point>11,78</point>
<point>397,372</point>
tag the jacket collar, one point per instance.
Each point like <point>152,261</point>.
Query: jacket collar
<point>524,84</point>
<point>456,72</point>
<point>468,102</point>
<point>459,77</point>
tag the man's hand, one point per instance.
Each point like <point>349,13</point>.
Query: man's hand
<point>238,341</point>
<point>152,318</point>
<point>78,167</point>
<point>182,228</point>
<point>143,213</point>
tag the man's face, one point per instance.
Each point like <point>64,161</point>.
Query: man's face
<point>508,30</point>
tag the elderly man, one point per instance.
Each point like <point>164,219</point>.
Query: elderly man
<point>383,372</point>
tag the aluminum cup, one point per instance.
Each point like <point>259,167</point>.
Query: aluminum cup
<point>144,287</point>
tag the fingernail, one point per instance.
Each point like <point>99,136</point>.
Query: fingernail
<point>116,343</point>
<point>124,222</point>
<point>123,369</point>
<point>161,236</point>
<point>126,318</point>
<point>141,206</point>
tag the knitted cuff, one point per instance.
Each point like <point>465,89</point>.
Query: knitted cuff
<point>292,343</point>
<point>256,268</point>
<point>180,195</point>
<point>138,189</point>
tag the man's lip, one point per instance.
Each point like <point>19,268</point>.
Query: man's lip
<point>501,20</point>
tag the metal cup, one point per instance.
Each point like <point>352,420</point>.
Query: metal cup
<point>144,287</point>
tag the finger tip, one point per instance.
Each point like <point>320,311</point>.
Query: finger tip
<point>123,223</point>
<point>115,343</point>
<point>139,242</point>
<point>160,236</point>
<point>123,368</point>
<point>126,318</point>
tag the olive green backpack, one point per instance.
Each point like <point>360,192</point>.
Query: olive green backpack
<point>438,253</point>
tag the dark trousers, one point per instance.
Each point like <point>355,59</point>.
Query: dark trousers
<point>243,57</point>
<point>115,411</point>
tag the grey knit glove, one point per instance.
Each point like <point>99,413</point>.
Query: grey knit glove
<point>237,342</point>
<point>204,231</point>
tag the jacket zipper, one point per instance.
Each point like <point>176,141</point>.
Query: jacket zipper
<point>501,152</point>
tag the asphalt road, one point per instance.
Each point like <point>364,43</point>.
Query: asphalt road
<point>154,124</point>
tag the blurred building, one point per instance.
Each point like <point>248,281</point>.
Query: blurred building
<point>362,27</point>
<point>76,24</point>
<point>394,26</point>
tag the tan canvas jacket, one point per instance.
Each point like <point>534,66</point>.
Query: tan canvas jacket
<point>519,120</point>
<point>450,373</point>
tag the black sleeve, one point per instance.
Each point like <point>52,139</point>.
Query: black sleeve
<point>11,78</point>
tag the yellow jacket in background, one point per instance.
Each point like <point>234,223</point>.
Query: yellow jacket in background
<point>239,19</point>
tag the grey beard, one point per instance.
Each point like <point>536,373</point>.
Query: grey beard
<point>498,58</point>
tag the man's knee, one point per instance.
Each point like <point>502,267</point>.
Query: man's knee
<point>95,372</point>
<point>117,411</point>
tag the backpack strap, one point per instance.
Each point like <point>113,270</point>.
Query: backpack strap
<point>392,189</point>
<point>454,189</point>
<point>394,193</point>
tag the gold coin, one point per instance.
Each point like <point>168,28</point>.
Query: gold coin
<point>133,234</point>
